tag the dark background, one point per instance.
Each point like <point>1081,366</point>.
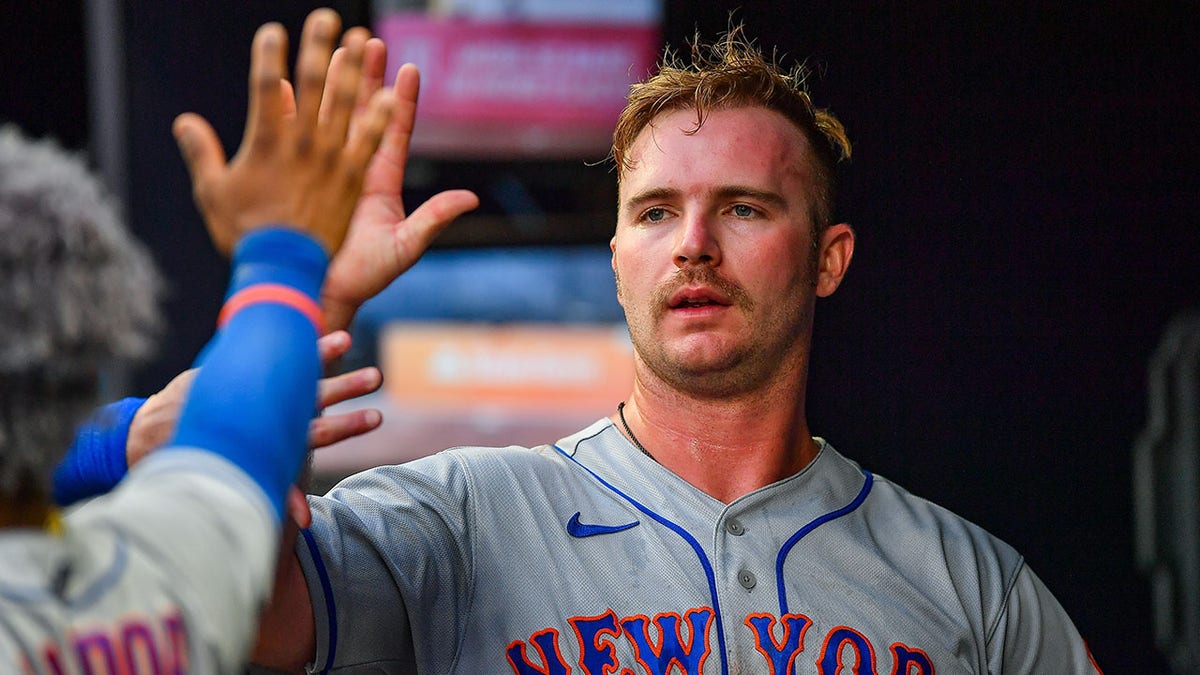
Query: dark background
<point>1024,190</point>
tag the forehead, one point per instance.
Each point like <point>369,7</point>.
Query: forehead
<point>738,146</point>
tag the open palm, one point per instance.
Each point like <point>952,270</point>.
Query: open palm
<point>383,241</point>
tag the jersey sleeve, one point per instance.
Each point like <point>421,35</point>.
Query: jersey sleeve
<point>1034,634</point>
<point>388,565</point>
<point>185,545</point>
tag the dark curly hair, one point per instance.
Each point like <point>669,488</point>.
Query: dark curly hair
<point>77,294</point>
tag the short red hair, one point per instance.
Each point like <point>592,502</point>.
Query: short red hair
<point>733,73</point>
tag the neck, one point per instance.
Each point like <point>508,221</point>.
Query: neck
<point>21,513</point>
<point>725,447</point>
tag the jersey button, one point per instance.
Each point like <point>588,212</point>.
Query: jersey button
<point>746,579</point>
<point>734,526</point>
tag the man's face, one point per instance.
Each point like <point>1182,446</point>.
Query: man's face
<point>713,249</point>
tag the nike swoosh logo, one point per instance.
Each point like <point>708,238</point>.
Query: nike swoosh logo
<point>580,530</point>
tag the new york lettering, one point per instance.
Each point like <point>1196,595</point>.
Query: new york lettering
<point>670,644</point>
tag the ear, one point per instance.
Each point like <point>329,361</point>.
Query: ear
<point>836,249</point>
<point>612,246</point>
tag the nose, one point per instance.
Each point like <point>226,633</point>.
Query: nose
<point>695,242</point>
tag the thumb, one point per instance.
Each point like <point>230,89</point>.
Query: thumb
<point>205,160</point>
<point>439,211</point>
<point>200,147</point>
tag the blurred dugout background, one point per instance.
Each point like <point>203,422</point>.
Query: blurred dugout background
<point>1014,340</point>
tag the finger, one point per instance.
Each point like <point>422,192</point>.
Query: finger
<point>330,429</point>
<point>374,65</point>
<point>385,175</point>
<point>339,388</point>
<point>407,88</point>
<point>337,66</point>
<point>369,130</point>
<point>399,134</point>
<point>316,48</point>
<point>268,66</point>
<point>205,160</point>
<point>434,215</point>
<point>342,86</point>
<point>374,69</point>
<point>287,98</point>
<point>333,345</point>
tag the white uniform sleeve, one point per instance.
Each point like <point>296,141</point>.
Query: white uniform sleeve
<point>200,536</point>
<point>1035,635</point>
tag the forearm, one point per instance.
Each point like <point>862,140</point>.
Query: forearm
<point>256,390</point>
<point>287,632</point>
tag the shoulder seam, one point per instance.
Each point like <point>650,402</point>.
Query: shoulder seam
<point>1012,583</point>
<point>472,513</point>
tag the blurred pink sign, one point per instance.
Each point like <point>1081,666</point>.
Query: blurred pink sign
<point>496,86</point>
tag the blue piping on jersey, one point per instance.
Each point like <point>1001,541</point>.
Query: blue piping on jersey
<point>708,569</point>
<point>802,532</point>
<point>110,578</point>
<point>327,590</point>
<point>90,595</point>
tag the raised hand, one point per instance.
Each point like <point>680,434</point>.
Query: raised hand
<point>383,242</point>
<point>300,163</point>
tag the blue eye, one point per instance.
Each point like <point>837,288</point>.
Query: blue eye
<point>742,211</point>
<point>655,214</point>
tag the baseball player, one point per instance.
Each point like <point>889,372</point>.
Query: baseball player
<point>701,528</point>
<point>166,573</point>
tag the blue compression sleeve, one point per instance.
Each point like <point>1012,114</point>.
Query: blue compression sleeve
<point>256,390</point>
<point>96,461</point>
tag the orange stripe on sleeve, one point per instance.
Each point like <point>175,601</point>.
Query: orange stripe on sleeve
<point>273,293</point>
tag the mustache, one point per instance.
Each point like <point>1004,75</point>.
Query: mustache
<point>702,275</point>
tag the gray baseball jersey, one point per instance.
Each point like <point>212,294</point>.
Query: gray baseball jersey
<point>121,593</point>
<point>588,557</point>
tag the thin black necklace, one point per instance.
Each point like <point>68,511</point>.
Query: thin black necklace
<point>636,442</point>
